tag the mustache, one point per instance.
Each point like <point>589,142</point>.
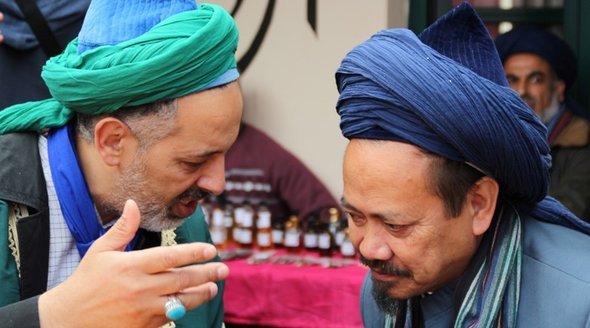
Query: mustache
<point>384,267</point>
<point>528,99</point>
<point>193,193</point>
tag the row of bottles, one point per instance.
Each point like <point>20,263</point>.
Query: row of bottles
<point>246,227</point>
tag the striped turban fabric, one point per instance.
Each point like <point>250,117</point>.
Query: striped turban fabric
<point>450,98</point>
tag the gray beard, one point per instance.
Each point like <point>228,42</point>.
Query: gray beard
<point>550,111</point>
<point>155,216</point>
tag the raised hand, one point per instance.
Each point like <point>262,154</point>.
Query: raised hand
<point>112,288</point>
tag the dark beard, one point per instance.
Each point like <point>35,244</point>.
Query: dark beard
<point>381,289</point>
<point>384,301</point>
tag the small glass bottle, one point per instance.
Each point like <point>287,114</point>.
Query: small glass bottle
<point>247,232</point>
<point>325,241</point>
<point>334,220</point>
<point>278,233</point>
<point>263,229</point>
<point>310,236</point>
<point>228,222</point>
<point>292,241</point>
<point>347,248</point>
<point>237,230</point>
<point>217,229</point>
<point>340,233</point>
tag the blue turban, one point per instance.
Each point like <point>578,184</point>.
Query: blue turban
<point>452,101</point>
<point>536,41</point>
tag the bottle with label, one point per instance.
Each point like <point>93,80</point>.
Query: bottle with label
<point>310,236</point>
<point>278,233</point>
<point>228,222</point>
<point>325,241</point>
<point>237,230</point>
<point>340,233</point>
<point>217,229</point>
<point>334,220</point>
<point>347,249</point>
<point>247,227</point>
<point>263,229</point>
<point>207,208</point>
<point>292,241</point>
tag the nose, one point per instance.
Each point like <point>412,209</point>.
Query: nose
<point>371,241</point>
<point>212,176</point>
<point>520,87</point>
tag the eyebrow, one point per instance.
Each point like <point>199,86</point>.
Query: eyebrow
<point>536,73</point>
<point>202,155</point>
<point>380,216</point>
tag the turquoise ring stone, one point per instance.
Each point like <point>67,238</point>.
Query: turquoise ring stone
<point>174,308</point>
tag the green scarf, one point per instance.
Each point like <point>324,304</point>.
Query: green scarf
<point>180,55</point>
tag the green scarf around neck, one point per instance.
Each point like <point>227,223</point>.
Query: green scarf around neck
<point>179,56</point>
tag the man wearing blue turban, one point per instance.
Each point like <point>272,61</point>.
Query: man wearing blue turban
<point>541,67</point>
<point>445,181</point>
<point>145,103</point>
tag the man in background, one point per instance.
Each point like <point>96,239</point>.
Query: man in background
<point>541,67</point>
<point>23,51</point>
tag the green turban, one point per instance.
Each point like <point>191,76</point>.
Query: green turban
<point>180,55</point>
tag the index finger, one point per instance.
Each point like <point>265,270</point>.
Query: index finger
<point>162,258</point>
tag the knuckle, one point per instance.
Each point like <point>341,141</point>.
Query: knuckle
<point>169,259</point>
<point>183,280</point>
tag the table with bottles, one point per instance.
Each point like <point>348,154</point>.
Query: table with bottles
<point>287,275</point>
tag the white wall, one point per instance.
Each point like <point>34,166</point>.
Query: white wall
<point>289,88</point>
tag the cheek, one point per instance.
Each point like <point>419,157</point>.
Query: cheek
<point>540,92</point>
<point>422,254</point>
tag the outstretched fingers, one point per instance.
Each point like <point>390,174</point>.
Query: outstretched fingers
<point>159,259</point>
<point>183,279</point>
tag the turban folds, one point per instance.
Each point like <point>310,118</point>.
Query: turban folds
<point>395,87</point>
<point>182,54</point>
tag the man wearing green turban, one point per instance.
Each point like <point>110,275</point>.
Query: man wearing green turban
<point>145,103</point>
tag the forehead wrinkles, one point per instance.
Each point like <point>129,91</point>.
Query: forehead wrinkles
<point>407,190</point>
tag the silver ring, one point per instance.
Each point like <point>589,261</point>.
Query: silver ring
<point>174,308</point>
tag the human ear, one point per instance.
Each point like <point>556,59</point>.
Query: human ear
<point>483,199</point>
<point>109,136</point>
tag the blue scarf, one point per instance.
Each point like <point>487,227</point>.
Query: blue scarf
<point>72,192</point>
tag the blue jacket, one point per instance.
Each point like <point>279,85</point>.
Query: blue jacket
<point>555,283</point>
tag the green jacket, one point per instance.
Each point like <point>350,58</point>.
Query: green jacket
<point>570,167</point>
<point>22,182</point>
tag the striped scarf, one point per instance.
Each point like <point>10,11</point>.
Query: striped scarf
<point>492,297</point>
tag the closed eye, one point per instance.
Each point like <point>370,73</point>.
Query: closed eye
<point>395,227</point>
<point>355,217</point>
<point>193,165</point>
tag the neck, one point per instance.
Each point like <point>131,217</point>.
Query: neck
<point>96,175</point>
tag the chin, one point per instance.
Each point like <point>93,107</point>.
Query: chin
<point>159,224</point>
<point>394,290</point>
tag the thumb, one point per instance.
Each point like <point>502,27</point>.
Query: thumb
<point>121,233</point>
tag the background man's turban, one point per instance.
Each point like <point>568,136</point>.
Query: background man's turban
<point>131,53</point>
<point>536,41</point>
